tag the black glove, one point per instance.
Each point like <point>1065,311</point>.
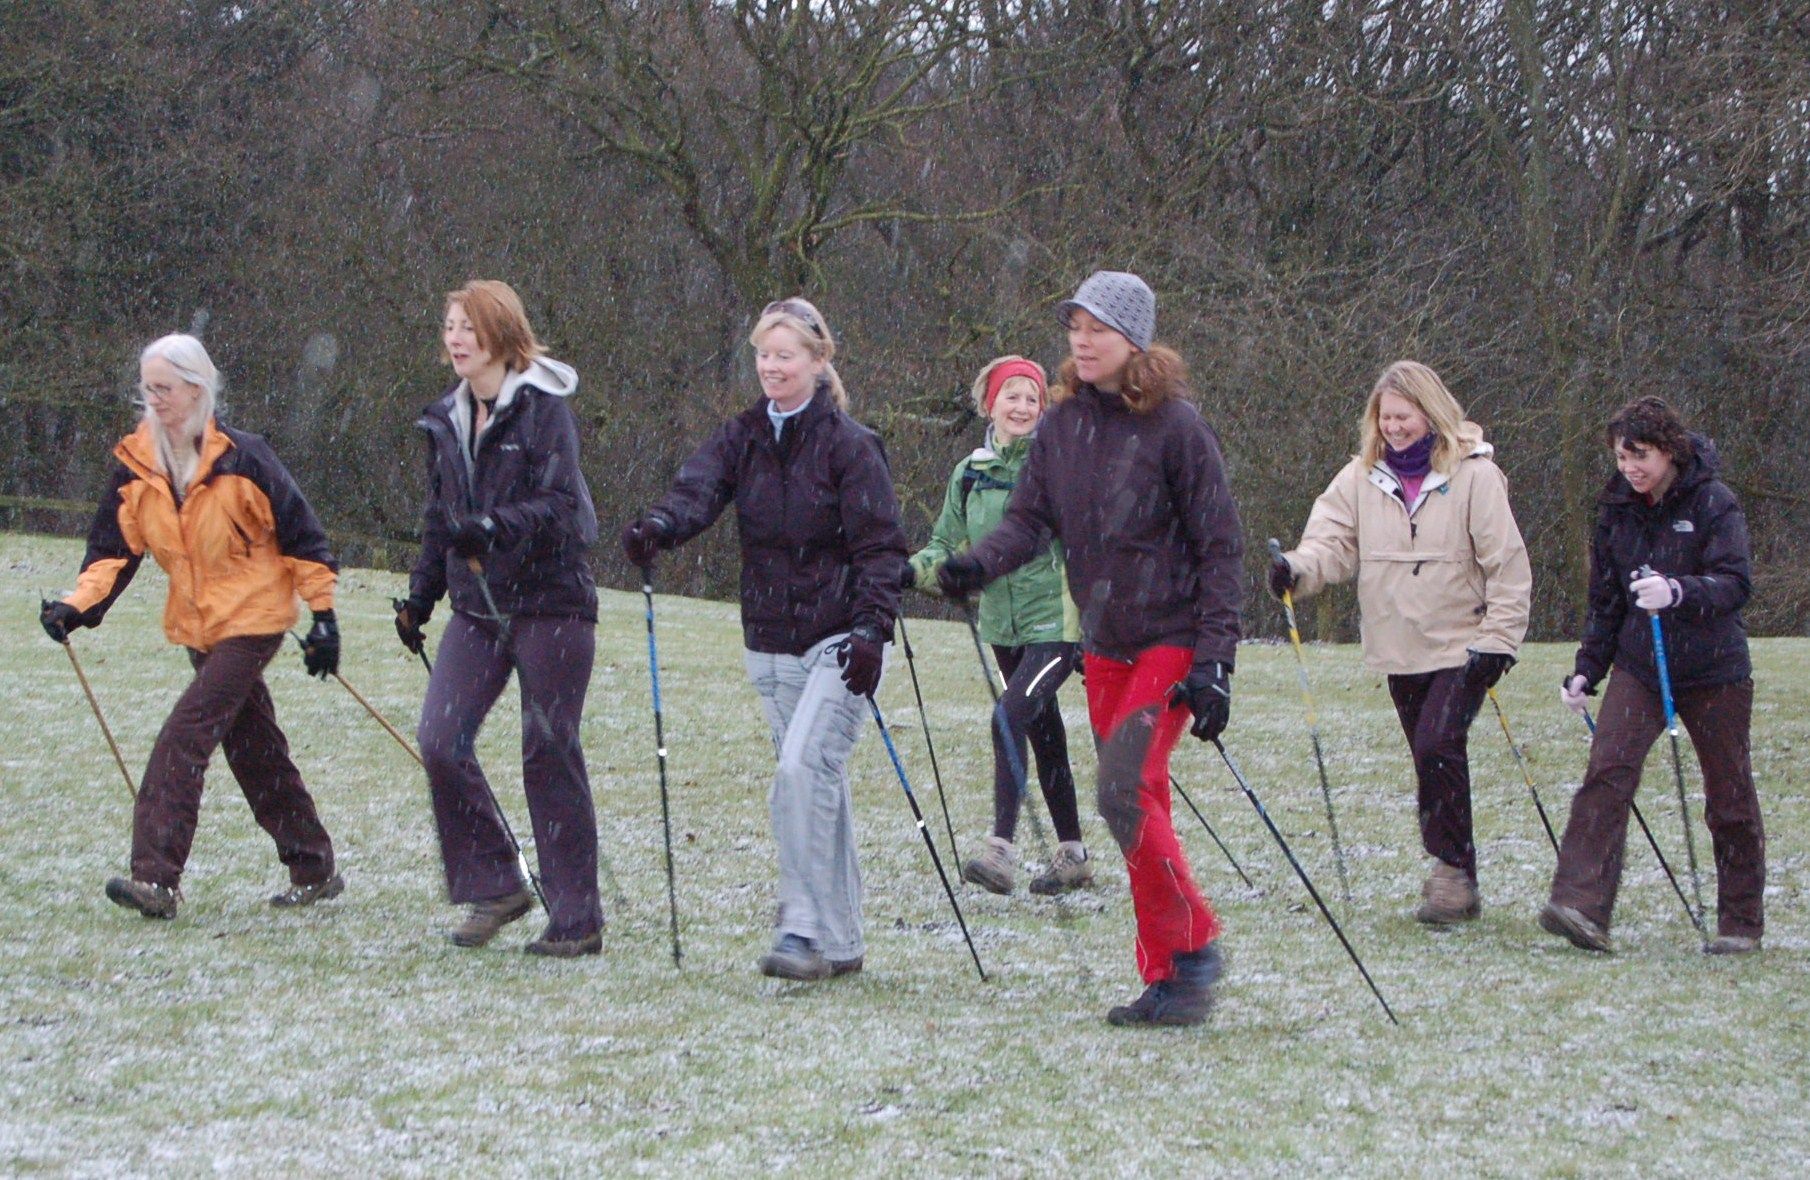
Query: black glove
<point>1208,693</point>
<point>320,651</point>
<point>861,657</point>
<point>1282,576</point>
<point>908,578</point>
<point>961,576</point>
<point>644,537</point>
<point>1487,667</point>
<point>474,537</point>
<point>411,615</point>
<point>58,619</point>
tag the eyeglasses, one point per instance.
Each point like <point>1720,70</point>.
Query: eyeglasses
<point>799,309</point>
<point>157,393</point>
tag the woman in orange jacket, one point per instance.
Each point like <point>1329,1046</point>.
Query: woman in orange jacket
<point>227,523</point>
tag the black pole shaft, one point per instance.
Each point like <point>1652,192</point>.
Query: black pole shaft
<point>1526,774</point>
<point>1300,872</point>
<point>917,815</point>
<point>1230,859</point>
<point>653,676</point>
<point>936,771</point>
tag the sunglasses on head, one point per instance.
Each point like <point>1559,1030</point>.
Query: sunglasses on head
<point>797,308</point>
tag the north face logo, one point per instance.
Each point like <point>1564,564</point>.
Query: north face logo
<point>1683,526</point>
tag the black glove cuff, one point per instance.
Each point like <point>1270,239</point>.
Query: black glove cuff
<point>867,632</point>
<point>326,616</point>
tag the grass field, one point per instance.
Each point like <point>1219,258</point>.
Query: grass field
<point>351,1039</point>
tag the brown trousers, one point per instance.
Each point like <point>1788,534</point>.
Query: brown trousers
<point>1632,719</point>
<point>226,705</point>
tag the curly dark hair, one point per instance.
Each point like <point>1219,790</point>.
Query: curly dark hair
<point>1650,422</point>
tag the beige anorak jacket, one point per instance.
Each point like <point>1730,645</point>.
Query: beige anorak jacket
<point>1438,578</point>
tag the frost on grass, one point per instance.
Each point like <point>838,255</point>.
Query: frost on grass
<point>350,1039</point>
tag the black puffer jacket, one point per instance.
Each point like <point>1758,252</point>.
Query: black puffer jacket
<point>525,476</point>
<point>1145,515</point>
<point>1696,534</point>
<point>822,547</point>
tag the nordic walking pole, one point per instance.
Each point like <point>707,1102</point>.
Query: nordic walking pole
<point>924,719</point>
<point>95,705</point>
<point>1230,859</point>
<point>1313,727</point>
<point>1664,865</point>
<point>917,814</point>
<point>1671,729</point>
<point>653,676</point>
<point>1302,873</point>
<point>521,858</point>
<point>1526,775</point>
<point>476,566</point>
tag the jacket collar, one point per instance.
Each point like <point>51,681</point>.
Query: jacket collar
<point>1436,481</point>
<point>139,452</point>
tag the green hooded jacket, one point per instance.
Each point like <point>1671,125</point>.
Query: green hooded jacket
<point>1028,605</point>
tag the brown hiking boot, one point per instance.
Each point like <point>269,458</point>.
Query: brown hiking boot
<point>303,895</point>
<point>847,966</point>
<point>1574,927</point>
<point>1732,944</point>
<point>992,869</point>
<point>153,901</point>
<point>566,948</point>
<point>485,918</point>
<point>1069,869</point>
<point>1449,896</point>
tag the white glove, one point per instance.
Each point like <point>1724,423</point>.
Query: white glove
<point>1572,694</point>
<point>1656,592</point>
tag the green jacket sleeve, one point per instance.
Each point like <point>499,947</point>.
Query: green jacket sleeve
<point>948,537</point>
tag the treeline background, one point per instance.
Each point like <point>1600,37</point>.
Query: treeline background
<point>1557,205</point>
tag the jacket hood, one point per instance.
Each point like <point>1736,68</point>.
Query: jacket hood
<point>1705,463</point>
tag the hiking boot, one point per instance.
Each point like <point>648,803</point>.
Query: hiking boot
<point>1573,926</point>
<point>301,895</point>
<point>1069,869</point>
<point>992,870</point>
<point>565,948</point>
<point>846,966</point>
<point>153,901</point>
<point>1732,944</point>
<point>1449,896</point>
<point>795,957</point>
<point>1184,998</point>
<point>485,918</point>
<point>1140,1009</point>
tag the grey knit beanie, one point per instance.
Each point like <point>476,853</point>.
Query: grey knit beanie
<point>1118,299</point>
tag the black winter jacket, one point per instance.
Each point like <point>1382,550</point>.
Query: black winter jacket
<point>1696,534</point>
<point>524,476</point>
<point>1141,505</point>
<point>822,547</point>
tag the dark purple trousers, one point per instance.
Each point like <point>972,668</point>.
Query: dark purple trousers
<point>551,659</point>
<point>1632,719</point>
<point>1436,710</point>
<point>226,705</point>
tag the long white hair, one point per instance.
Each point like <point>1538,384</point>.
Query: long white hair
<point>178,456</point>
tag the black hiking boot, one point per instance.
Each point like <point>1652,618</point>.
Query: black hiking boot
<point>297,896</point>
<point>565,948</point>
<point>485,918</point>
<point>1184,998</point>
<point>153,901</point>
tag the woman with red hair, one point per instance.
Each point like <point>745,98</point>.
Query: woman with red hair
<point>1030,622</point>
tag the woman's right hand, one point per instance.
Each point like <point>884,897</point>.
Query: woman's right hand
<point>58,619</point>
<point>1572,694</point>
<point>644,537</point>
<point>411,615</point>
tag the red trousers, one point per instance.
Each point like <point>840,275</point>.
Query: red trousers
<point>1136,730</point>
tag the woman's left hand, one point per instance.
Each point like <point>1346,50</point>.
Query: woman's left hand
<point>861,656</point>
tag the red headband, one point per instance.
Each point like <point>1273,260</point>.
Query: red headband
<point>1005,372</point>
